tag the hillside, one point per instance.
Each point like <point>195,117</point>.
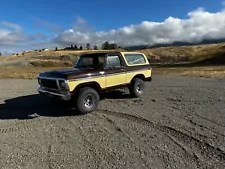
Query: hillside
<point>198,53</point>
<point>213,53</point>
<point>200,60</point>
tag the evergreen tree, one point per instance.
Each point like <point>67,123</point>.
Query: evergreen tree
<point>95,47</point>
<point>88,46</point>
<point>105,46</point>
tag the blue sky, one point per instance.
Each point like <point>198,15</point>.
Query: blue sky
<point>100,14</point>
<point>50,19</point>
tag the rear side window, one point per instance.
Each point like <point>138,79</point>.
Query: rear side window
<point>134,59</point>
<point>113,61</point>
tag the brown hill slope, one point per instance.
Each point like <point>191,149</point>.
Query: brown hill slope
<point>187,53</point>
<point>212,53</point>
<point>199,60</point>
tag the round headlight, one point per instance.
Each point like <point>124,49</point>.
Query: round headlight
<point>63,84</point>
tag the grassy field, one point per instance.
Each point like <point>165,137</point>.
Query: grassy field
<point>157,55</point>
<point>23,73</point>
<point>203,71</point>
<point>199,60</point>
<point>51,54</point>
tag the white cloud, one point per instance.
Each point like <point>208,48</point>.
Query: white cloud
<point>3,33</point>
<point>14,39</point>
<point>11,37</point>
<point>199,25</point>
<point>80,20</point>
<point>10,25</point>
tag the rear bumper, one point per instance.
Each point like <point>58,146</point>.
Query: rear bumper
<point>61,96</point>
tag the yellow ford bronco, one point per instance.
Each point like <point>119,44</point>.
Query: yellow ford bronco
<point>93,74</point>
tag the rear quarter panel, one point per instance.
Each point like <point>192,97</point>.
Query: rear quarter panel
<point>135,69</point>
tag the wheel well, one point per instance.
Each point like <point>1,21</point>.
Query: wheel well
<point>141,76</point>
<point>93,85</point>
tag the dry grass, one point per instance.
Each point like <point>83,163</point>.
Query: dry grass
<point>4,58</point>
<point>24,72</point>
<point>161,54</point>
<point>52,54</point>
<point>204,71</point>
<point>185,53</point>
<point>51,63</point>
<point>32,72</point>
<point>51,60</point>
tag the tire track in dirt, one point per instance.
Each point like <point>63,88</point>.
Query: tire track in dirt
<point>205,127</point>
<point>26,125</point>
<point>164,154</point>
<point>205,101</point>
<point>194,123</point>
<point>55,134</point>
<point>195,114</point>
<point>187,152</point>
<point>98,154</point>
<point>122,132</point>
<point>206,150</point>
<point>52,138</point>
<point>201,117</point>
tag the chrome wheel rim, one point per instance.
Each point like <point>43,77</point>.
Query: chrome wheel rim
<point>89,102</point>
<point>139,88</point>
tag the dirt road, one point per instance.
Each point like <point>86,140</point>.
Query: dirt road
<point>180,123</point>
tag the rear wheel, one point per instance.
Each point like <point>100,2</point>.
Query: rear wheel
<point>137,87</point>
<point>87,100</point>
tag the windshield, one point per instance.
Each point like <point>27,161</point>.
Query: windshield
<point>92,61</point>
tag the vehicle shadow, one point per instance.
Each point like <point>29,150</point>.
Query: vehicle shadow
<point>33,106</point>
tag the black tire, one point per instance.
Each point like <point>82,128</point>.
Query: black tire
<point>87,100</point>
<point>137,87</point>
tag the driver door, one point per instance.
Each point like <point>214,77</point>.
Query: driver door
<point>115,72</point>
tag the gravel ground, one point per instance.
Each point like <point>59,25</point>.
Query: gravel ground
<point>179,123</point>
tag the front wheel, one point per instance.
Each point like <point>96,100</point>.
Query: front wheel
<point>137,87</point>
<point>87,100</point>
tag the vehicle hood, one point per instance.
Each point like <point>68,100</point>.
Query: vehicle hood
<point>64,73</point>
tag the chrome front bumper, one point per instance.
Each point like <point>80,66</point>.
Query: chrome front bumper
<point>62,96</point>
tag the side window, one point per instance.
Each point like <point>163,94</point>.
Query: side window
<point>87,61</point>
<point>133,59</point>
<point>113,61</point>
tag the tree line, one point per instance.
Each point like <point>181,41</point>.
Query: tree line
<point>105,46</point>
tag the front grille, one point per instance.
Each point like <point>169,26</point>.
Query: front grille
<point>49,83</point>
